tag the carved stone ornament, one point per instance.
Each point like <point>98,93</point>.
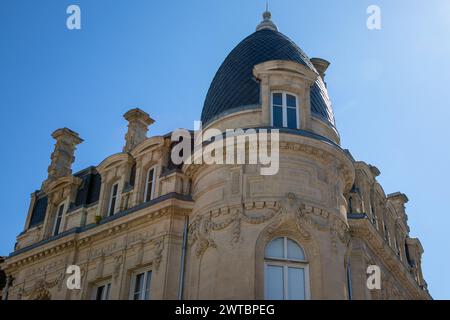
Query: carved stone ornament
<point>40,290</point>
<point>285,213</point>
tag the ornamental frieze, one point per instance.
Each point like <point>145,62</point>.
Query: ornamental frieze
<point>289,211</point>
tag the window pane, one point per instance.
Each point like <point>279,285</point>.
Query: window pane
<point>148,195</point>
<point>113,206</point>
<point>138,286</point>
<point>274,283</point>
<point>57,225</point>
<point>277,99</point>
<point>100,293</point>
<point>291,101</point>
<point>147,285</point>
<point>296,284</point>
<point>149,188</point>
<point>277,116</point>
<point>275,249</point>
<point>108,290</point>
<point>292,118</point>
<point>294,251</point>
<point>115,190</point>
<point>61,210</point>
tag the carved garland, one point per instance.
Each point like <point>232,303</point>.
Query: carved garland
<point>289,210</point>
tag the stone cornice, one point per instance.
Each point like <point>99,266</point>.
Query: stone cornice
<point>364,230</point>
<point>81,237</point>
<point>326,152</point>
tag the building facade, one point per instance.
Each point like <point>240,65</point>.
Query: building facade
<point>141,227</point>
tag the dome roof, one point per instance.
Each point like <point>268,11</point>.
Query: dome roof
<point>234,87</point>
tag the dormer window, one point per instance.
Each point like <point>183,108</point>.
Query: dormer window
<point>150,185</point>
<point>285,112</point>
<point>113,199</point>
<point>58,220</point>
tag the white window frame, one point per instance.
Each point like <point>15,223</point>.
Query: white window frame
<point>106,294</point>
<point>285,107</point>
<point>59,215</point>
<point>152,194</point>
<point>286,264</point>
<point>142,293</point>
<point>111,193</point>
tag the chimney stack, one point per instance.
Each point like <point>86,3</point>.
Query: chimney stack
<point>138,122</point>
<point>64,154</point>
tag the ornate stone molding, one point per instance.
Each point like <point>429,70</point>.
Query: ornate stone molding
<point>286,212</point>
<point>365,231</point>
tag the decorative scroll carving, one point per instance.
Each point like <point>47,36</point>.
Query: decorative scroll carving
<point>200,233</point>
<point>40,290</point>
<point>287,212</point>
<point>159,248</point>
<point>118,263</point>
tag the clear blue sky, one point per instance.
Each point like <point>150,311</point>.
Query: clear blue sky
<point>390,88</point>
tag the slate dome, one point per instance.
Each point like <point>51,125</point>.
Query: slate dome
<point>234,87</point>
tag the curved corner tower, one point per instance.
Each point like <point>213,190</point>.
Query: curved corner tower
<point>268,82</point>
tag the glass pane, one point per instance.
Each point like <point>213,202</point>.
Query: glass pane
<point>292,118</point>
<point>275,249</point>
<point>274,283</point>
<point>277,116</point>
<point>147,285</point>
<point>148,195</point>
<point>113,206</point>
<point>296,284</point>
<point>138,286</point>
<point>291,101</point>
<point>61,210</point>
<point>57,225</point>
<point>150,176</point>
<point>277,99</point>
<point>294,251</point>
<point>99,295</point>
<point>149,191</point>
<point>114,193</point>
<point>108,290</point>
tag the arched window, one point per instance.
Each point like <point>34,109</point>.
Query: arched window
<point>286,271</point>
<point>285,111</point>
<point>150,182</point>
<point>58,220</point>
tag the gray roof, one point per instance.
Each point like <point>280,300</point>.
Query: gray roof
<point>235,88</point>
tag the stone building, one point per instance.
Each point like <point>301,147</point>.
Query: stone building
<point>141,227</point>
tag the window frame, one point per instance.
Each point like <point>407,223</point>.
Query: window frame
<point>287,263</point>
<point>285,108</point>
<point>60,211</point>
<point>142,293</point>
<point>152,191</point>
<point>111,197</point>
<point>106,293</point>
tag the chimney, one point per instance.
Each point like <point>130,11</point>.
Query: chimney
<point>321,66</point>
<point>138,122</point>
<point>64,154</point>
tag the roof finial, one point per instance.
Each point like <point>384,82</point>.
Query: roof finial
<point>267,22</point>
